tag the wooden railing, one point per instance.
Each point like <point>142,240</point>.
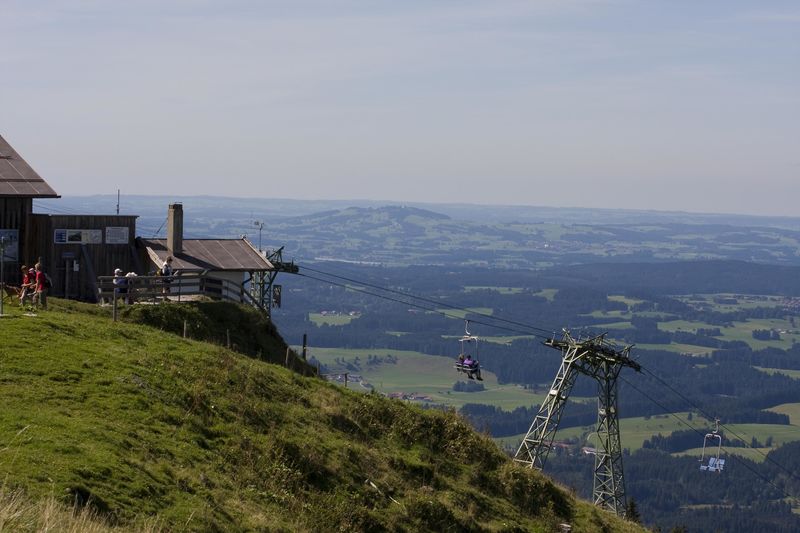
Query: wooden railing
<point>182,286</point>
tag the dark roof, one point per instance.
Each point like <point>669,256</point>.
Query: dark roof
<point>210,254</point>
<point>17,178</point>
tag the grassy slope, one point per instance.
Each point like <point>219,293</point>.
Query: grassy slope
<point>141,422</point>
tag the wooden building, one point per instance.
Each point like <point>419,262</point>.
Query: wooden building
<point>233,260</point>
<point>19,185</point>
<point>77,248</point>
<point>73,249</point>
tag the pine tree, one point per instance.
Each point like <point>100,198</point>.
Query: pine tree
<point>632,511</point>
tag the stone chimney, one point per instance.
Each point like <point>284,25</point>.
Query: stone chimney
<point>175,229</point>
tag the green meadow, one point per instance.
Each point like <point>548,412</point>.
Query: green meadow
<point>426,375</point>
<point>331,320</point>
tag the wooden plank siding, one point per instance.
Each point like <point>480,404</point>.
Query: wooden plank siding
<point>92,259</point>
<point>13,213</point>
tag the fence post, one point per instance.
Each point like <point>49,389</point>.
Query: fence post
<point>228,336</point>
<point>305,345</point>
<point>287,357</point>
<point>185,328</point>
<point>114,306</point>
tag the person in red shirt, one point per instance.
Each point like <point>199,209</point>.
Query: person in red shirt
<point>27,285</point>
<point>40,297</point>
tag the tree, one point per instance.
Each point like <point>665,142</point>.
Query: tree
<point>632,512</point>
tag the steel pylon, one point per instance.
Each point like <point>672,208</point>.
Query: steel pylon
<point>602,361</point>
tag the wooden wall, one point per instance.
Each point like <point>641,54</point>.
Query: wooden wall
<point>73,264</point>
<point>13,212</point>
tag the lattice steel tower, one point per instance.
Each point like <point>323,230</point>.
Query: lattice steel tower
<point>601,360</point>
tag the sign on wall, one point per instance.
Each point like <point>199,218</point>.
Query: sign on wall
<point>116,234</point>
<point>11,252</point>
<point>78,236</point>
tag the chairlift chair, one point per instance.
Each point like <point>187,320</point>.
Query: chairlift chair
<point>715,464</point>
<point>467,342</point>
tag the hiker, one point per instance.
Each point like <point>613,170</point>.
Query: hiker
<point>166,274</point>
<point>131,289</point>
<point>41,285</point>
<point>27,287</point>
<point>120,284</point>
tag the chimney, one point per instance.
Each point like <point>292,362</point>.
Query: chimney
<point>175,229</point>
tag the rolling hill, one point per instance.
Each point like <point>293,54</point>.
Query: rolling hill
<point>142,426</point>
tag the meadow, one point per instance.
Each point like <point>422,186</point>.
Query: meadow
<point>422,375</point>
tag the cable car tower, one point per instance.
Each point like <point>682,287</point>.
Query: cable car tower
<point>602,361</point>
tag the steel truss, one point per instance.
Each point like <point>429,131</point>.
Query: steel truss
<point>262,283</point>
<point>600,360</point>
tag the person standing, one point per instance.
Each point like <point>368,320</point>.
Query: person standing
<point>40,296</point>
<point>120,284</point>
<point>166,275</point>
<point>27,286</point>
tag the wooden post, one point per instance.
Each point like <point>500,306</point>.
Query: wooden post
<point>319,371</point>
<point>287,356</point>
<point>114,306</point>
<point>185,328</point>
<point>305,345</point>
<point>345,380</point>
<point>228,337</point>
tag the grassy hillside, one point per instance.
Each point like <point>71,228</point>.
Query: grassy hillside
<point>143,427</point>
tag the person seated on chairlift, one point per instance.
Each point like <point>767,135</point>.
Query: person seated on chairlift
<point>473,368</point>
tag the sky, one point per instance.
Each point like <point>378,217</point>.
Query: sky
<point>680,105</point>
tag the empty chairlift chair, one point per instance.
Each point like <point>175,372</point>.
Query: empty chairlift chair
<point>715,463</point>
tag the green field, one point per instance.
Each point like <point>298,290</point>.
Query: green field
<point>634,431</point>
<point>501,290</point>
<point>791,409</point>
<point>425,375</point>
<point>462,313</point>
<point>795,374</point>
<point>757,455</point>
<point>331,320</point>
<point>688,349</point>
<point>743,301</point>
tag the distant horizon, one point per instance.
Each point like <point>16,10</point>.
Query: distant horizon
<point>656,106</point>
<point>353,202</point>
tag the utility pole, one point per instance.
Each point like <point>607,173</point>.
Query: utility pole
<point>602,361</point>
<point>260,226</point>
<point>118,201</point>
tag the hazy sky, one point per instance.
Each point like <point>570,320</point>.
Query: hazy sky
<point>674,105</point>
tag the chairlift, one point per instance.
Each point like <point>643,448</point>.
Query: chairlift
<point>715,464</point>
<point>467,361</point>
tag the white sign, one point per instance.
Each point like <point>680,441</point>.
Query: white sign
<point>78,236</point>
<point>116,234</point>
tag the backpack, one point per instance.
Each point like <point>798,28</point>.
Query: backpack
<point>48,283</point>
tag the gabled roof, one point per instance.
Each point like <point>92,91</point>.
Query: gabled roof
<point>209,254</point>
<point>17,178</point>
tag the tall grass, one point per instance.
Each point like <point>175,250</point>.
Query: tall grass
<point>19,513</point>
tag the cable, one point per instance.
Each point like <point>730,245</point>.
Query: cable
<point>156,232</point>
<point>412,304</point>
<point>728,429</point>
<point>435,302</point>
<point>738,459</point>
<point>499,319</point>
<point>61,211</point>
